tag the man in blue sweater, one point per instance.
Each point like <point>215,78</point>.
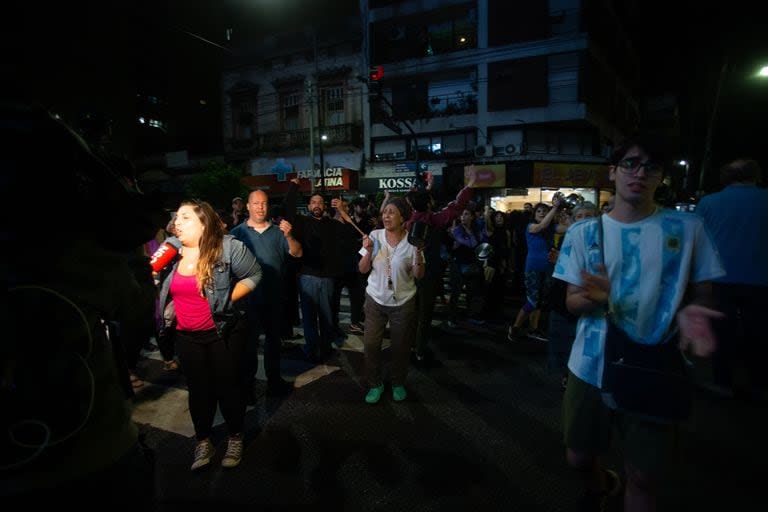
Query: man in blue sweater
<point>737,220</point>
<point>271,245</point>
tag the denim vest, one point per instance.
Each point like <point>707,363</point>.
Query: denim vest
<point>237,264</point>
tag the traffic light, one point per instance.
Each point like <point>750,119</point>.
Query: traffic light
<point>375,73</point>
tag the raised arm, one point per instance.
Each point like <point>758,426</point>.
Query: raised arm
<point>364,265</point>
<point>384,202</point>
<point>453,210</point>
<point>547,220</point>
<point>290,200</point>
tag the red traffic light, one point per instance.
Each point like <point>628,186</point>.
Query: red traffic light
<point>376,73</point>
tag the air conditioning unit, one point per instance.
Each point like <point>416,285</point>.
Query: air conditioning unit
<point>484,150</point>
<point>511,149</point>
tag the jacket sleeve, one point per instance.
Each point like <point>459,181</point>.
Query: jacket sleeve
<point>444,217</point>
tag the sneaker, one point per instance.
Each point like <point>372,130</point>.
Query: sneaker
<point>356,328</point>
<point>234,452</point>
<point>538,335</point>
<point>203,454</point>
<point>514,333</point>
<point>451,324</point>
<point>398,393</point>
<point>170,366</point>
<point>374,394</point>
<point>476,321</point>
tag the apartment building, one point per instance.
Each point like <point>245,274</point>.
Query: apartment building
<point>531,93</point>
<point>293,104</point>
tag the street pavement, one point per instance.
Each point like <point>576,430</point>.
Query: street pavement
<point>480,430</point>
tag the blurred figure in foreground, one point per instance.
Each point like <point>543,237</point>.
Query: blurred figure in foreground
<point>66,425</point>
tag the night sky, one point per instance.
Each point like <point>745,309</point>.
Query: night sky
<point>82,55</point>
<point>683,46</point>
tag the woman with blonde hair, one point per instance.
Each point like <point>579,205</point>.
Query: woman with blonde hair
<point>201,291</point>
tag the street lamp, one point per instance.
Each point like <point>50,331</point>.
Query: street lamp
<point>323,138</point>
<point>686,165</point>
<point>763,73</point>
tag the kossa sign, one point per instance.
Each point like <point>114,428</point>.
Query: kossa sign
<point>392,183</point>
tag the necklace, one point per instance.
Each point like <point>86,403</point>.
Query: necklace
<point>398,238</point>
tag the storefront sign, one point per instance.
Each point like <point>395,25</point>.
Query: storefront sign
<point>392,184</point>
<point>556,175</point>
<point>335,178</point>
<point>487,176</point>
<point>386,170</point>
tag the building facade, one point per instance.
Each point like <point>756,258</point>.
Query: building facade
<point>534,93</point>
<point>293,104</point>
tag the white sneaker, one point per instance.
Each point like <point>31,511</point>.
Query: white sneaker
<point>203,454</point>
<point>234,452</point>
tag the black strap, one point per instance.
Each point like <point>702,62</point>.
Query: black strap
<point>600,236</point>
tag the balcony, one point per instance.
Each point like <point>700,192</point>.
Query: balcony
<point>277,142</point>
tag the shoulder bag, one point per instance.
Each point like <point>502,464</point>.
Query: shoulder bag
<point>648,381</point>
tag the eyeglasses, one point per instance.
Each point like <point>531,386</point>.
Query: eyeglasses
<point>633,165</point>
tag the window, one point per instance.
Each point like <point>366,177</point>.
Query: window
<point>521,83</point>
<point>409,101</point>
<point>333,105</point>
<point>452,96</point>
<point>243,102</point>
<point>442,30</point>
<point>517,22</point>
<point>244,116</point>
<point>290,102</point>
<point>389,149</point>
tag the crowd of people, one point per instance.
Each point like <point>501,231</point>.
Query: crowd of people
<point>235,276</point>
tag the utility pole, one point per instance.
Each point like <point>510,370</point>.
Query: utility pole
<point>319,116</point>
<point>308,90</point>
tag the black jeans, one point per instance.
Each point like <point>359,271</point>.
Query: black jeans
<point>267,319</point>
<point>740,335</point>
<point>353,281</point>
<point>213,366</point>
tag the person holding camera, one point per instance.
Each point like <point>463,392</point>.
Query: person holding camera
<point>538,269</point>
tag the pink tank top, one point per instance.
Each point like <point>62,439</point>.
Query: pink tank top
<point>192,311</point>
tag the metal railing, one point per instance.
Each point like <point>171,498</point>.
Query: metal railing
<point>350,133</point>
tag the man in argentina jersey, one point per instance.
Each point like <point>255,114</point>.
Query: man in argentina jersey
<point>658,264</point>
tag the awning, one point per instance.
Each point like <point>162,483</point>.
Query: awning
<point>389,169</point>
<point>301,163</point>
<point>559,174</point>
